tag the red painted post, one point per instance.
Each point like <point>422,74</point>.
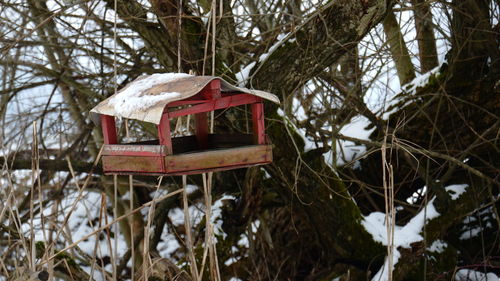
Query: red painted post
<point>212,105</point>
<point>259,133</point>
<point>164,133</point>
<point>212,91</point>
<point>109,129</point>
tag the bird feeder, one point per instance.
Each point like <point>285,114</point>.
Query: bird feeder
<point>157,99</point>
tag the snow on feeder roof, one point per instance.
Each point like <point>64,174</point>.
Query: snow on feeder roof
<point>146,97</point>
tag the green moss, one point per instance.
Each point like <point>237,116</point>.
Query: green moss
<point>40,249</point>
<point>69,260</point>
<point>443,262</point>
<point>408,86</point>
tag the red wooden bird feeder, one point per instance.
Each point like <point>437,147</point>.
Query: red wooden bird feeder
<point>157,99</point>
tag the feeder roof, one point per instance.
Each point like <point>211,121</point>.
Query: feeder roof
<point>146,97</point>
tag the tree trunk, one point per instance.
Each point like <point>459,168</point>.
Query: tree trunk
<point>425,35</point>
<point>399,52</point>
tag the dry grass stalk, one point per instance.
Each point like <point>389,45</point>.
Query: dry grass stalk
<point>124,216</point>
<point>187,226</point>
<point>147,264</point>
<point>209,228</point>
<point>115,226</point>
<point>390,215</point>
<point>131,221</point>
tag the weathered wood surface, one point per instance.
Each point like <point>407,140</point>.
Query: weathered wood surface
<point>134,150</point>
<point>241,156</point>
<point>258,126</point>
<point>219,158</point>
<point>212,105</point>
<point>149,163</point>
<point>133,164</point>
<point>109,129</point>
<point>164,133</point>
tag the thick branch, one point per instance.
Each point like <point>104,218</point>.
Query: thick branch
<point>425,35</point>
<point>399,52</point>
<point>50,165</point>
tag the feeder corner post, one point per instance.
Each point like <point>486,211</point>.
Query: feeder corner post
<point>259,133</point>
<point>212,91</point>
<point>164,135</point>
<point>109,129</point>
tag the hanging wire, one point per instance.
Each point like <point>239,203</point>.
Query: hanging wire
<point>207,178</point>
<point>115,177</point>
<point>115,226</point>
<point>131,221</point>
<point>210,248</point>
<point>179,67</point>
<point>205,50</point>
<point>214,29</point>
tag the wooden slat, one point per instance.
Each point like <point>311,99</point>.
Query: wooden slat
<point>198,98</point>
<point>212,105</point>
<point>134,150</point>
<point>241,156</point>
<point>185,102</point>
<point>136,164</point>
